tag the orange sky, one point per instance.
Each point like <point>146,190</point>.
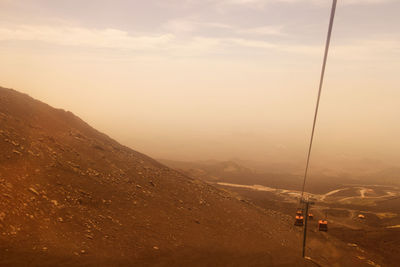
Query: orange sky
<point>223,79</point>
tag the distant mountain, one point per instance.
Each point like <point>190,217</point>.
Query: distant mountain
<point>71,195</point>
<point>210,170</point>
<point>233,172</point>
<point>389,176</point>
<point>319,181</point>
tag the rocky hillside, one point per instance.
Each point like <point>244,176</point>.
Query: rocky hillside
<point>70,195</point>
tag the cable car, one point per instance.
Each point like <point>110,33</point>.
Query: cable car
<point>299,221</point>
<point>299,212</point>
<point>323,225</point>
<point>311,216</point>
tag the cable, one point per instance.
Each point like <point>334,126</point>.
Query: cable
<point>328,40</point>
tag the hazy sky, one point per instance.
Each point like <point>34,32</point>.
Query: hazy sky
<point>201,79</point>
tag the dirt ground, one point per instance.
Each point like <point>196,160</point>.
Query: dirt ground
<point>72,196</point>
<point>365,241</point>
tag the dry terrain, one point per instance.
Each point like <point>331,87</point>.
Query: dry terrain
<point>72,196</point>
<point>364,219</point>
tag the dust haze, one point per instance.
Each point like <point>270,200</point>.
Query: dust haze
<point>195,85</point>
<point>175,133</point>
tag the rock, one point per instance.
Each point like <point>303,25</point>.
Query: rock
<point>16,152</point>
<point>2,216</point>
<point>32,190</point>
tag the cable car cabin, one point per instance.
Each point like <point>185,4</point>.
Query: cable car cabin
<point>311,216</point>
<point>323,225</point>
<point>299,212</point>
<point>299,221</point>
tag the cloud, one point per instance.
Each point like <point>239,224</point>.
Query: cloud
<point>264,30</point>
<point>194,45</point>
<point>84,37</point>
<point>180,25</point>
<point>189,25</point>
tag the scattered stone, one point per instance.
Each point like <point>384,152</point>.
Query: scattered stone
<point>373,263</point>
<point>32,190</point>
<point>16,152</point>
<point>15,143</point>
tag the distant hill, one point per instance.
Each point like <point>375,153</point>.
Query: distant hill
<point>210,170</point>
<point>387,176</point>
<point>319,181</point>
<point>71,195</point>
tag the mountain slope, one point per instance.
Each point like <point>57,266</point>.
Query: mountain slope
<point>70,195</point>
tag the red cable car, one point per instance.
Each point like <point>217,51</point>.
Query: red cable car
<point>323,225</point>
<point>299,221</point>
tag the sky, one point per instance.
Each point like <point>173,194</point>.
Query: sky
<point>214,79</point>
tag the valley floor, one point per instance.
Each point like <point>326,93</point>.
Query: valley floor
<point>362,221</point>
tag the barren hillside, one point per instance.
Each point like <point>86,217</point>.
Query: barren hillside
<point>70,195</point>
